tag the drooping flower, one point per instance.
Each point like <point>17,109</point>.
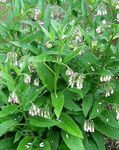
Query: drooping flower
<point>105,78</point>
<point>41,144</point>
<point>36,111</point>
<point>36,14</point>
<point>98,30</point>
<point>117,17</point>
<point>27,79</point>
<point>13,98</point>
<point>109,92</point>
<point>36,82</point>
<point>89,126</point>
<point>117,113</point>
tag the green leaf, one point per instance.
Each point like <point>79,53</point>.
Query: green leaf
<point>42,122</point>
<point>7,144</point>
<point>87,104</point>
<point>3,97</point>
<point>71,55</point>
<point>17,136</point>
<point>46,146</point>
<point>106,129</point>
<point>108,117</point>
<point>70,105</point>
<point>46,75</point>
<point>99,140</point>
<point>8,110</point>
<point>6,126</point>
<point>74,143</point>
<point>47,18</point>
<point>41,58</point>
<point>97,109</point>
<point>68,124</point>
<point>23,143</point>
<point>77,91</point>
<point>58,102</point>
<point>113,99</point>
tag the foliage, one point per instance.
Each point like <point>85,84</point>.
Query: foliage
<point>59,66</point>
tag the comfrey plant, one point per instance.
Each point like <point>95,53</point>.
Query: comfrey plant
<point>59,74</point>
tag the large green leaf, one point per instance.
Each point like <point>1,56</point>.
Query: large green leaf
<point>58,102</point>
<point>114,98</point>
<point>46,75</point>
<point>8,110</point>
<point>98,138</point>
<point>23,143</point>
<point>87,104</point>
<point>71,55</point>
<point>69,125</point>
<point>108,117</point>
<point>6,126</point>
<point>96,109</point>
<point>7,144</point>
<point>71,105</point>
<point>42,122</point>
<point>106,129</point>
<point>74,143</point>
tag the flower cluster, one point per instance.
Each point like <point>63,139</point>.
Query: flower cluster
<point>89,126</point>
<point>31,67</point>
<point>12,56</point>
<point>36,111</point>
<point>101,11</point>
<point>109,92</point>
<point>37,12</point>
<point>27,79</point>
<point>105,78</point>
<point>48,44</point>
<point>75,78</point>
<point>98,30</point>
<point>77,36</point>
<point>36,82</point>
<point>13,98</point>
<point>57,13</point>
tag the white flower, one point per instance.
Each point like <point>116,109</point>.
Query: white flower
<point>72,80</point>
<point>12,56</point>
<point>36,111</point>
<point>37,12</point>
<point>109,92</point>
<point>117,17</point>
<point>101,11</point>
<point>117,113</point>
<point>79,81</point>
<point>36,82</point>
<point>104,22</point>
<point>48,44</point>
<point>98,30</point>
<point>27,79</point>
<point>69,72</point>
<point>89,126</point>
<point>63,37</point>
<point>13,98</point>
<point>41,144</point>
<point>105,78</point>
<point>3,1</point>
<point>94,43</point>
<point>31,67</point>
